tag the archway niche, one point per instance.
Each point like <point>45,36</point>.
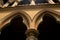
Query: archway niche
<point>15,30</point>
<point>49,28</point>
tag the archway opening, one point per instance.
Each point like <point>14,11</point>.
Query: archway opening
<point>49,28</point>
<point>15,30</point>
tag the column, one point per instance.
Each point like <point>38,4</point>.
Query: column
<point>32,34</point>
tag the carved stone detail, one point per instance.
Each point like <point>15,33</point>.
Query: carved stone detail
<point>32,34</point>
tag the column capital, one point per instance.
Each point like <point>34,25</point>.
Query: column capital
<point>32,32</point>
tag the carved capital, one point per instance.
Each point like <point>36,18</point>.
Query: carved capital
<point>32,32</point>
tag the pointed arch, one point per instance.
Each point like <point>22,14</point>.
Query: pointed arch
<point>39,15</point>
<point>24,15</point>
<point>15,28</point>
<point>48,24</point>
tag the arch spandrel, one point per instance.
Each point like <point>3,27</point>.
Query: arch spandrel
<point>38,17</point>
<point>24,15</point>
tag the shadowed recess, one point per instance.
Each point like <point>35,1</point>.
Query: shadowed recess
<point>15,30</point>
<point>49,28</point>
<point>4,1</point>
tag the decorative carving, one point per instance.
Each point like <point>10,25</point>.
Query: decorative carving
<point>31,38</point>
<point>32,34</point>
<point>31,2</point>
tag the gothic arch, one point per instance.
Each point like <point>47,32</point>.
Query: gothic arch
<point>38,17</point>
<point>24,15</point>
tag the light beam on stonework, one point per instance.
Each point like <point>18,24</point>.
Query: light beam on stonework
<point>5,5</point>
<point>16,3</point>
<point>32,2</point>
<point>51,1</point>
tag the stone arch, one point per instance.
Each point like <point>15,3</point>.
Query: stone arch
<point>39,15</point>
<point>24,15</point>
<point>48,24</point>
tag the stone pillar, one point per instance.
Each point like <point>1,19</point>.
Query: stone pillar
<point>32,2</point>
<point>32,34</point>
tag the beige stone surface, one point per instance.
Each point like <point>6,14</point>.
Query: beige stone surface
<point>32,11</point>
